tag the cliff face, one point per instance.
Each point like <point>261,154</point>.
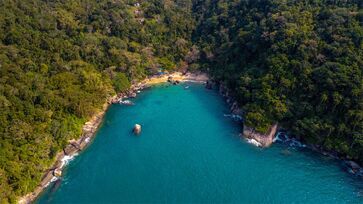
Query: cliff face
<point>264,140</point>
<point>281,73</point>
<point>261,139</point>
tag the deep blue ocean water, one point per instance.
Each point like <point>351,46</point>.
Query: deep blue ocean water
<point>188,152</point>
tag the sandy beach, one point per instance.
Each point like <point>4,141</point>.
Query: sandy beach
<point>177,76</point>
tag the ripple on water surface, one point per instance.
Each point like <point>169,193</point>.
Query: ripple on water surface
<point>189,152</point>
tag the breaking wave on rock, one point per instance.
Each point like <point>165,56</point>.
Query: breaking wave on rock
<point>254,142</point>
<point>66,159</point>
<point>234,117</point>
<point>282,137</point>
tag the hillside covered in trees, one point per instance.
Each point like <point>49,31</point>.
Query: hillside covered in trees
<point>298,63</point>
<point>60,59</point>
<point>295,62</point>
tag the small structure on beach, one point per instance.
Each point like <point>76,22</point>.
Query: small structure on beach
<point>137,129</point>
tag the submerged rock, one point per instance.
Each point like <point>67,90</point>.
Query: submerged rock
<point>354,168</point>
<point>285,152</point>
<point>137,129</point>
<point>209,85</point>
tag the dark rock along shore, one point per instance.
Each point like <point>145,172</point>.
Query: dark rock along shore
<point>91,127</point>
<point>267,139</point>
<point>88,131</point>
<point>76,146</point>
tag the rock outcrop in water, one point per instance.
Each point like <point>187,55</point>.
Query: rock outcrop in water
<point>263,140</point>
<point>90,127</point>
<point>266,139</point>
<point>137,129</point>
<point>57,172</point>
<point>254,137</point>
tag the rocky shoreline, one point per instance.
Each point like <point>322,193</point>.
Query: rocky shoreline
<point>277,134</point>
<point>252,136</point>
<point>72,149</point>
<point>259,139</point>
<point>347,164</point>
<point>89,129</point>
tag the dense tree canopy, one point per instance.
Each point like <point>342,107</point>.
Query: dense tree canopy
<point>295,62</point>
<point>298,63</point>
<point>61,59</point>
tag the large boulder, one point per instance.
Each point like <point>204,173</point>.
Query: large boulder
<point>57,172</point>
<point>137,129</point>
<point>264,139</point>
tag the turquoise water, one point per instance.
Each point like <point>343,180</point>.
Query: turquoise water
<point>188,152</point>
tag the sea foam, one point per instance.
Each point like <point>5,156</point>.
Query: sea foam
<point>66,159</point>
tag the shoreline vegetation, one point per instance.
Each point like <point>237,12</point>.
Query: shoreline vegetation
<point>276,132</point>
<point>309,82</point>
<point>90,128</point>
<point>273,61</point>
<point>60,60</point>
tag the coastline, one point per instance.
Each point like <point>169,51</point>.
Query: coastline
<point>277,134</point>
<point>90,128</point>
<point>74,146</point>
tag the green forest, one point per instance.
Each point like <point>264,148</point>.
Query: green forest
<point>61,59</point>
<point>298,63</point>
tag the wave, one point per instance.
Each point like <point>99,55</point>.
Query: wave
<point>234,117</point>
<point>64,162</point>
<point>53,179</point>
<point>282,137</point>
<point>66,159</point>
<point>254,142</point>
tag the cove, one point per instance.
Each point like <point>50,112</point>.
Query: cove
<point>188,152</point>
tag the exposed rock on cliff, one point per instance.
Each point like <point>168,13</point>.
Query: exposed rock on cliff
<point>264,140</point>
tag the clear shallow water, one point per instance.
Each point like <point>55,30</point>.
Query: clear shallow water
<point>189,152</point>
